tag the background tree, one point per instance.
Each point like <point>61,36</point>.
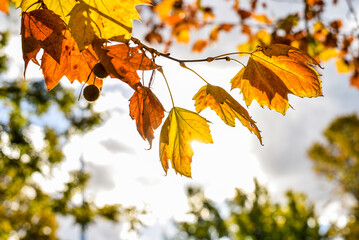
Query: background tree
<point>251,216</point>
<point>338,160</point>
<point>29,146</point>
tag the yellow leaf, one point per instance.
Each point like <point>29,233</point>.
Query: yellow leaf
<point>262,18</point>
<point>60,7</point>
<point>237,80</point>
<point>343,66</point>
<point>328,54</point>
<point>114,18</point>
<point>164,8</point>
<point>226,107</point>
<point>178,131</point>
<point>276,70</point>
<point>262,37</point>
<point>109,19</point>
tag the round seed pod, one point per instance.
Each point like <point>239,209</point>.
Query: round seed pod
<point>99,70</point>
<point>91,93</point>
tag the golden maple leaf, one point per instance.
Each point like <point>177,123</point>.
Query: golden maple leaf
<point>178,131</point>
<point>110,19</point>
<point>226,107</point>
<point>275,71</point>
<point>60,7</point>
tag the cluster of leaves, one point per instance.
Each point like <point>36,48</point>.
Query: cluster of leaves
<point>309,28</point>
<point>90,40</point>
<point>251,216</point>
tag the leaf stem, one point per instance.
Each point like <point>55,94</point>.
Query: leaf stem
<point>168,87</point>
<point>235,60</point>
<point>182,64</point>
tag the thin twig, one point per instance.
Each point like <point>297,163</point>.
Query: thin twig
<point>208,59</point>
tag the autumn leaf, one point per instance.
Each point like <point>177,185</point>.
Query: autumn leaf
<point>111,19</point>
<point>226,107</point>
<point>261,18</point>
<point>41,29</point>
<point>215,31</point>
<point>164,8</point>
<point>354,79</point>
<point>148,112</point>
<point>199,45</point>
<point>4,6</point>
<point>59,7</point>
<point>73,64</point>
<point>178,131</point>
<point>275,71</point>
<point>80,24</point>
<point>122,61</point>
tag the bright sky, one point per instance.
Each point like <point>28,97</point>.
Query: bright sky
<point>123,171</point>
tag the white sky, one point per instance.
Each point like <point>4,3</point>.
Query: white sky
<point>124,172</point>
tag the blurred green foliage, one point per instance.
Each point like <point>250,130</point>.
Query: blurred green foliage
<point>250,216</point>
<point>34,126</point>
<point>338,160</point>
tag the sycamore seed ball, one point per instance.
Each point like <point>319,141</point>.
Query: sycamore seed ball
<point>99,70</point>
<point>91,93</point>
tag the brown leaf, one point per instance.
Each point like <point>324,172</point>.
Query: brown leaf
<point>41,29</point>
<point>275,71</point>
<point>148,112</point>
<point>122,61</point>
<point>75,65</point>
<point>226,107</point>
<point>354,79</point>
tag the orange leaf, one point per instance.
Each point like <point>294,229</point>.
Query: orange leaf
<point>215,31</point>
<point>75,65</point>
<point>225,106</point>
<point>122,61</point>
<point>178,131</point>
<point>148,112</point>
<point>354,79</point>
<point>41,29</point>
<point>262,18</point>
<point>273,72</point>
<point>4,6</point>
<point>199,45</point>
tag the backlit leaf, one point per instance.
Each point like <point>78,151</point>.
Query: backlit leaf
<point>106,19</point>
<point>122,61</point>
<point>148,112</point>
<point>178,131</point>
<point>73,64</point>
<point>41,29</point>
<point>226,107</point>
<point>60,7</point>
<point>276,70</point>
<point>4,6</point>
